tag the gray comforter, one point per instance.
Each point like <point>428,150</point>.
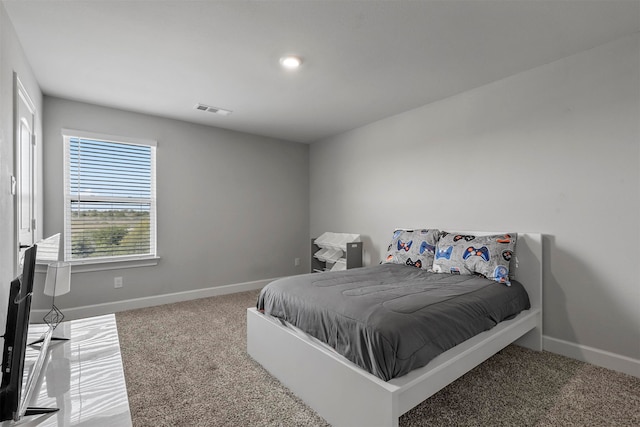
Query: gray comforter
<point>390,319</point>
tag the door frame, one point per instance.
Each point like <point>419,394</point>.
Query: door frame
<point>20,92</point>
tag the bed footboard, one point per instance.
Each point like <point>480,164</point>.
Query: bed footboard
<point>345,395</point>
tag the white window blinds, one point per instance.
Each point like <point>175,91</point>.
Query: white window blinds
<point>110,198</point>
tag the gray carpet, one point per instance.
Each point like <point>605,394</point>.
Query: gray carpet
<point>186,365</point>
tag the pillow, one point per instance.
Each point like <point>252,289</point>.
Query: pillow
<point>460,253</point>
<point>412,247</point>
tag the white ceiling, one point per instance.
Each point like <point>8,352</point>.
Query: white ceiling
<point>363,60</point>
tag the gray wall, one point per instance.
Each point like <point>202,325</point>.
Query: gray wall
<point>232,207</point>
<point>552,150</point>
<point>12,60</point>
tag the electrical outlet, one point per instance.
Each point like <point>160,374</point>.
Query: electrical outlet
<point>296,262</point>
<point>117,282</point>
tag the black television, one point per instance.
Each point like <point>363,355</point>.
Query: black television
<point>15,341</point>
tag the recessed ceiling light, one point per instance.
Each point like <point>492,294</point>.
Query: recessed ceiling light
<point>290,62</point>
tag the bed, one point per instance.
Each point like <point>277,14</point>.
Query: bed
<point>346,394</point>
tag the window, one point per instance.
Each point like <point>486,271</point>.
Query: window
<point>110,197</point>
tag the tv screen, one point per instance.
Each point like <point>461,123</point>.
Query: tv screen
<point>15,338</point>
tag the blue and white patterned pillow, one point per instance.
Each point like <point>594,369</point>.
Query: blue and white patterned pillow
<point>412,247</point>
<point>463,253</point>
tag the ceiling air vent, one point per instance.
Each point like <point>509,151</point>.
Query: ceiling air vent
<point>215,110</point>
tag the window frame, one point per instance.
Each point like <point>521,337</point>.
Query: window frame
<point>112,261</point>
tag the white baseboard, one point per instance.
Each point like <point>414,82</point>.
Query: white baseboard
<point>131,304</point>
<point>592,355</point>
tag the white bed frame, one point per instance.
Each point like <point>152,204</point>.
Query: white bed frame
<point>346,395</point>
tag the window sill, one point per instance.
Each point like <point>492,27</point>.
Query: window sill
<point>89,265</point>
